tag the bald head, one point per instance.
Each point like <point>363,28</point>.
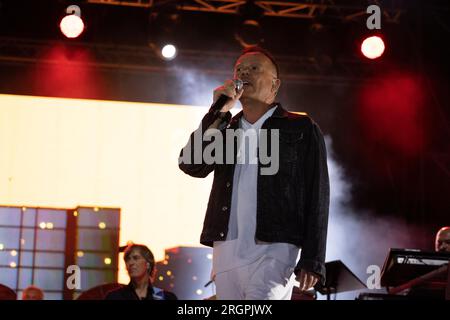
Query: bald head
<point>442,243</point>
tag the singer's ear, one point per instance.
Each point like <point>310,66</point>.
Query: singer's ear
<point>276,85</point>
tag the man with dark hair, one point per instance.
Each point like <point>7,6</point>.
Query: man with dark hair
<point>140,265</point>
<point>260,217</point>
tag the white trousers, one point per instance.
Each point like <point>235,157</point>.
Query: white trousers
<point>264,279</point>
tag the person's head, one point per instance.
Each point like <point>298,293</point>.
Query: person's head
<point>32,293</point>
<point>139,261</point>
<point>442,243</point>
<point>257,67</point>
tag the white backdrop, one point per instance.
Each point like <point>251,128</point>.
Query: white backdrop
<point>63,153</point>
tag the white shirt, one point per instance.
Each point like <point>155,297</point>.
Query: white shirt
<point>241,248</point>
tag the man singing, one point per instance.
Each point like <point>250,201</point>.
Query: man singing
<point>262,212</point>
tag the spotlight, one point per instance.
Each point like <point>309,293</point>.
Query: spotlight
<point>163,32</point>
<point>248,29</point>
<point>249,33</point>
<point>72,25</point>
<point>169,52</point>
<point>372,47</point>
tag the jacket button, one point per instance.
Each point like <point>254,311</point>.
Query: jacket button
<point>224,208</point>
<point>228,184</point>
<point>221,234</point>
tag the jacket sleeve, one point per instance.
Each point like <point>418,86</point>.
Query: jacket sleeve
<point>191,159</point>
<point>317,199</point>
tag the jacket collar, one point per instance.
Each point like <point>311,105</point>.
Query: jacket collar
<point>150,290</point>
<point>278,113</point>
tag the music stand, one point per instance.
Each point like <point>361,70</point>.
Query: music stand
<point>339,278</point>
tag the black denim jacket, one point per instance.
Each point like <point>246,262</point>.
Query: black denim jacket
<point>292,205</point>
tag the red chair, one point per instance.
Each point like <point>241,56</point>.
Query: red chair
<point>7,293</point>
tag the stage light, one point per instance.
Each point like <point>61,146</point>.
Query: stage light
<point>372,47</point>
<point>163,31</point>
<point>169,52</point>
<point>249,33</point>
<point>248,30</point>
<point>72,25</point>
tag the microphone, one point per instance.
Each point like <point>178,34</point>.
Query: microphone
<point>223,99</point>
<point>208,283</point>
<point>238,84</point>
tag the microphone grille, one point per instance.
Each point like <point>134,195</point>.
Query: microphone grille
<point>238,83</point>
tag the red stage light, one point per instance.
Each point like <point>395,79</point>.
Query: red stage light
<point>71,26</point>
<point>372,47</point>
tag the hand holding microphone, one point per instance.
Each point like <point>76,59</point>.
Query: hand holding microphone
<point>226,96</point>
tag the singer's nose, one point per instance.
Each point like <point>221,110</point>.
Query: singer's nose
<point>243,72</point>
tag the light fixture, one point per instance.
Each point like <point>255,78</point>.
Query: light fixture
<point>372,47</point>
<point>248,30</point>
<point>169,52</point>
<point>72,25</point>
<point>162,32</point>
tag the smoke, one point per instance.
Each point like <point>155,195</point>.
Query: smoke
<point>197,88</point>
<point>360,238</point>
